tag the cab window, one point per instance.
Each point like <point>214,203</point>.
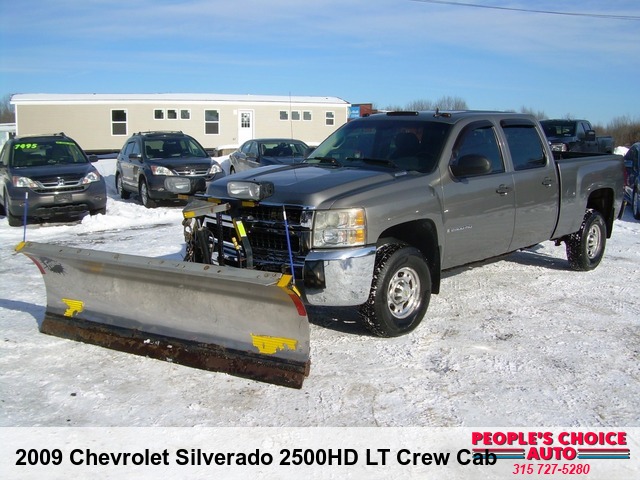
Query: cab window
<point>525,147</point>
<point>477,146</point>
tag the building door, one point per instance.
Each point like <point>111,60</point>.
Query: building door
<point>245,126</point>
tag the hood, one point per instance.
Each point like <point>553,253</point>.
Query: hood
<point>180,162</point>
<point>48,173</point>
<point>561,138</point>
<point>308,185</point>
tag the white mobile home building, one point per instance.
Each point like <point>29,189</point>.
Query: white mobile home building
<point>102,122</point>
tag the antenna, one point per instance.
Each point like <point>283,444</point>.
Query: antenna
<point>290,116</point>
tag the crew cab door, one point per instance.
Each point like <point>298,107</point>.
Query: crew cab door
<point>478,198</point>
<point>537,188</point>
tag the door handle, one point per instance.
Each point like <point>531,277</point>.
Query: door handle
<point>503,190</point>
<point>547,182</point>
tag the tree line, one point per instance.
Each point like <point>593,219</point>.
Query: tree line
<point>624,129</point>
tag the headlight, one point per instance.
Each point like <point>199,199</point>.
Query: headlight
<point>24,182</point>
<point>339,228</point>
<point>250,190</point>
<point>90,178</point>
<point>215,168</point>
<point>158,170</point>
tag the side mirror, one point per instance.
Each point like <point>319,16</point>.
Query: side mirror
<point>471,165</point>
<point>590,135</point>
<point>135,156</point>
<point>93,158</point>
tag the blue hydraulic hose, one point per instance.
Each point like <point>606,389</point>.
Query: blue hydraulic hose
<point>24,216</point>
<point>286,227</point>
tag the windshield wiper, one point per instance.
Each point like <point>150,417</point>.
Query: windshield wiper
<point>374,161</point>
<point>323,161</point>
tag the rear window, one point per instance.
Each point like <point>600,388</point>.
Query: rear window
<point>41,153</point>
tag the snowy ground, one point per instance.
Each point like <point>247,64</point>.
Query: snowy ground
<point>518,342</point>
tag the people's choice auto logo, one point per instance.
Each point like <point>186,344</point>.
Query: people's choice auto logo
<point>543,452</point>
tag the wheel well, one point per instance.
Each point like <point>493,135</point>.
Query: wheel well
<point>602,201</point>
<point>422,235</point>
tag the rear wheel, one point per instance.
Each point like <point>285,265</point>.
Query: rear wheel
<point>585,248</point>
<point>146,200</point>
<point>400,291</point>
<point>120,187</point>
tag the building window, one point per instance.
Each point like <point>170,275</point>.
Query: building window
<point>118,122</point>
<point>295,115</point>
<point>172,114</point>
<point>306,116</point>
<point>185,114</point>
<point>284,115</point>
<point>211,122</point>
<point>329,118</point>
<point>158,114</point>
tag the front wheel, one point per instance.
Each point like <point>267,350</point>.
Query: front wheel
<point>146,200</point>
<point>13,220</point>
<point>635,203</point>
<point>585,248</point>
<point>400,291</point>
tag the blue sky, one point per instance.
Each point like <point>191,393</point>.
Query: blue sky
<point>385,52</point>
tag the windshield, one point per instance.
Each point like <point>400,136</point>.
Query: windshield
<point>559,129</point>
<point>282,148</point>
<point>406,145</point>
<point>41,153</point>
<point>173,148</point>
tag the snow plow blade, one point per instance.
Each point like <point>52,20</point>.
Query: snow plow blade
<point>242,322</point>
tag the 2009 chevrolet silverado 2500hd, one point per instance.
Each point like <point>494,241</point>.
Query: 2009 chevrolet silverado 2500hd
<point>387,202</point>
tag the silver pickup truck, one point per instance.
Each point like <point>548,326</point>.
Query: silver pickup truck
<point>387,202</point>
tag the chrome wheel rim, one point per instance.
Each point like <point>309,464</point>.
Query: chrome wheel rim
<point>593,241</point>
<point>403,296</point>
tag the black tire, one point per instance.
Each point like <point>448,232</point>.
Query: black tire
<point>99,211</point>
<point>585,248</point>
<point>635,203</point>
<point>400,291</point>
<point>124,194</point>
<point>11,219</point>
<point>146,200</point>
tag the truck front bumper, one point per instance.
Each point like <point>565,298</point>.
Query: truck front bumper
<point>339,277</point>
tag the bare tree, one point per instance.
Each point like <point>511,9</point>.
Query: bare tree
<point>7,115</point>
<point>539,114</point>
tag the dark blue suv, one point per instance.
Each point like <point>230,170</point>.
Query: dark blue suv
<point>148,158</point>
<point>50,176</point>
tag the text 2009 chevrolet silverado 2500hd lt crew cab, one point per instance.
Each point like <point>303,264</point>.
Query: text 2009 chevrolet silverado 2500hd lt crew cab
<point>388,202</point>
